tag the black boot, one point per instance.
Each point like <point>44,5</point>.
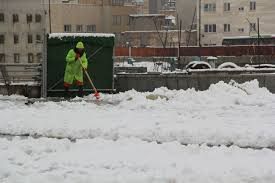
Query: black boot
<point>67,93</point>
<point>80,91</point>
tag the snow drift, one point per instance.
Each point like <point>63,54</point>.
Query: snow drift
<point>130,160</point>
<point>226,114</point>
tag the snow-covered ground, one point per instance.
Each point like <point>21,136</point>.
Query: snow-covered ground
<point>242,115</point>
<point>138,137</point>
<point>130,161</point>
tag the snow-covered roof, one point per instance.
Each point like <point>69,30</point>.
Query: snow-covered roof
<point>212,58</point>
<point>252,36</point>
<point>61,35</point>
<point>147,15</point>
<point>170,17</point>
<point>151,31</point>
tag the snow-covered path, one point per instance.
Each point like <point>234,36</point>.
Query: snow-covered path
<point>130,160</point>
<point>242,115</point>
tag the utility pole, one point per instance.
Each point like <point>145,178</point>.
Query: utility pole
<point>258,23</point>
<point>50,19</point>
<point>199,23</point>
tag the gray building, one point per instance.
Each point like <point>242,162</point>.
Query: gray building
<point>155,6</point>
<point>22,30</point>
<point>141,22</point>
<point>187,12</point>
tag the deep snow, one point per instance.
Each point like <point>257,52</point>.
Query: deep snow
<point>130,160</point>
<point>242,115</point>
<point>117,139</point>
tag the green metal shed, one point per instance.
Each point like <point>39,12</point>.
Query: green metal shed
<point>99,50</point>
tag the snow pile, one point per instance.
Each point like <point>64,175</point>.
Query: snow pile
<point>130,160</point>
<point>226,114</point>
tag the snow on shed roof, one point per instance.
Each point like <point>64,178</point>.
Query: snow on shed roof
<point>61,35</point>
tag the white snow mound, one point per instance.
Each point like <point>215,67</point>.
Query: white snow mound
<point>225,114</point>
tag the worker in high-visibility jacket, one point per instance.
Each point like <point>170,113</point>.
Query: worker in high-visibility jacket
<point>76,61</point>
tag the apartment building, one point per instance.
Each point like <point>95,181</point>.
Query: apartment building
<point>227,18</point>
<point>107,16</point>
<point>155,6</point>
<point>22,29</point>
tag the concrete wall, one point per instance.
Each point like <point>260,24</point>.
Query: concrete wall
<point>25,90</point>
<point>155,39</point>
<point>146,22</point>
<point>237,19</point>
<point>199,81</point>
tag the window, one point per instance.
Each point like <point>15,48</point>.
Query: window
<point>38,38</point>
<point>30,39</point>
<point>2,39</point>
<point>226,27</point>
<point>79,28</point>
<point>2,58</point>
<point>67,28</point>
<point>210,28</point>
<point>241,9</point>
<point>117,2</point>
<point>30,58</point>
<point>2,17</point>
<point>91,28</point>
<point>241,30</point>
<point>252,27</point>
<point>15,39</point>
<point>210,7</point>
<point>227,7</point>
<point>29,18</point>
<point>39,57</point>
<point>16,57</point>
<point>15,18</point>
<point>252,5</point>
<point>38,18</point>
<point>116,20</point>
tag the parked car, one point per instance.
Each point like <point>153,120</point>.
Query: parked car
<point>228,65</point>
<point>198,65</point>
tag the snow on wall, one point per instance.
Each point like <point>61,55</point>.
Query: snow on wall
<point>61,35</point>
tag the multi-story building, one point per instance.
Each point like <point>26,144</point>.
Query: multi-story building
<point>228,18</point>
<point>109,16</point>
<point>155,6</point>
<point>187,13</point>
<point>22,29</point>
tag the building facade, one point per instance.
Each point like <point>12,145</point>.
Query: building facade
<point>229,18</point>
<point>107,16</point>
<point>187,13</point>
<point>155,6</point>
<point>22,29</point>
